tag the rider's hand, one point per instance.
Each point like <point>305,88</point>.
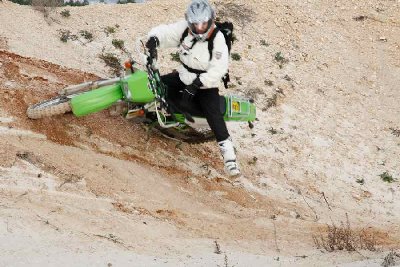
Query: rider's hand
<point>191,90</point>
<point>151,45</point>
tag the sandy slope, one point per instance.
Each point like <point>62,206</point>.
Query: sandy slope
<point>106,196</point>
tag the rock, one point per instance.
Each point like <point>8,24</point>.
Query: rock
<point>7,156</point>
<point>9,84</point>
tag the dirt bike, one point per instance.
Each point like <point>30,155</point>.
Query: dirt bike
<point>140,95</point>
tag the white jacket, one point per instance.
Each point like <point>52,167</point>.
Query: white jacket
<point>198,57</point>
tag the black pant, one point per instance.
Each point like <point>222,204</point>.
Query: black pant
<point>207,99</point>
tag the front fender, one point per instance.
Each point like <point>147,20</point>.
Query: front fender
<point>96,100</point>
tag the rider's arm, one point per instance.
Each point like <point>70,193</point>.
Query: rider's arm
<point>169,35</point>
<point>219,63</point>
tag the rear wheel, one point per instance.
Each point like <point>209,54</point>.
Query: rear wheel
<point>55,106</point>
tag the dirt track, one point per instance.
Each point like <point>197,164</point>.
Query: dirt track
<point>99,156</point>
<point>136,175</point>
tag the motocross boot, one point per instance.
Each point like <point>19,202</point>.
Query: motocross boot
<point>228,153</point>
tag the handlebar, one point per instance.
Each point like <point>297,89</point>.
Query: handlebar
<point>153,72</point>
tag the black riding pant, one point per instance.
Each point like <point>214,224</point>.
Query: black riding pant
<point>207,99</point>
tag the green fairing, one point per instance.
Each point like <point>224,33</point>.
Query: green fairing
<point>179,117</point>
<point>104,97</point>
<point>96,100</point>
<point>246,112</point>
<point>138,86</point>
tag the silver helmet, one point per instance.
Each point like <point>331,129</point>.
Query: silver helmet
<point>200,11</point>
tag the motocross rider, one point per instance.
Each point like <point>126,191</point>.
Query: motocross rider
<point>198,77</point>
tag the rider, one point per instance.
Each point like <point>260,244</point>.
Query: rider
<point>199,75</point>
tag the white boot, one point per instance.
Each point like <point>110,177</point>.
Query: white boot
<point>228,153</point>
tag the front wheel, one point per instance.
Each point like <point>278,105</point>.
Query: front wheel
<point>55,106</point>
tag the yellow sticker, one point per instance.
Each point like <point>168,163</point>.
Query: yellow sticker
<point>235,106</point>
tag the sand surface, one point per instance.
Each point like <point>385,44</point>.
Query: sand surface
<point>102,191</point>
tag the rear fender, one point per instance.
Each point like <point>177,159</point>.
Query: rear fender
<point>239,109</point>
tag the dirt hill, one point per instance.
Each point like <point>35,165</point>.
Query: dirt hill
<point>101,190</point>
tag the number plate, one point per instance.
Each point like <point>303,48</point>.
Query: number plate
<point>235,106</point>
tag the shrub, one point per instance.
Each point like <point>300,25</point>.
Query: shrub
<point>87,35</point>
<point>125,1</point>
<point>66,35</point>
<point>269,82</point>
<point>360,181</point>
<point>279,57</point>
<point>386,177</point>
<point>112,62</point>
<point>234,38</point>
<point>175,57</point>
<point>43,3</point>
<point>395,132</point>
<point>76,3</point>
<point>264,43</point>
<point>109,30</point>
<point>65,13</point>
<point>343,237</point>
<point>236,56</point>
<point>119,44</point>
<point>270,102</point>
<point>22,2</point>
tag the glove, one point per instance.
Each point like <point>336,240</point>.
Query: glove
<point>152,45</point>
<point>191,90</point>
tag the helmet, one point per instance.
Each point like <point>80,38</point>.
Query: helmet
<point>200,11</point>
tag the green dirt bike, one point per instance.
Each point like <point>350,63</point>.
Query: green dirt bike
<point>141,95</point>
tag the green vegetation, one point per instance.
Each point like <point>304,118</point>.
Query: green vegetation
<point>65,13</point>
<point>76,3</point>
<point>87,35</point>
<point>271,102</point>
<point>236,56</point>
<point>395,132</point>
<point>112,62</point>
<point>253,161</point>
<point>22,2</point>
<point>344,238</point>
<point>175,57</point>
<point>279,57</point>
<point>268,82</point>
<point>264,43</point>
<point>119,44</point>
<point>386,177</point>
<point>51,3</point>
<point>272,131</point>
<point>360,181</point>
<point>234,38</point>
<point>110,29</point>
<point>125,1</point>
<point>287,78</point>
<point>66,35</point>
